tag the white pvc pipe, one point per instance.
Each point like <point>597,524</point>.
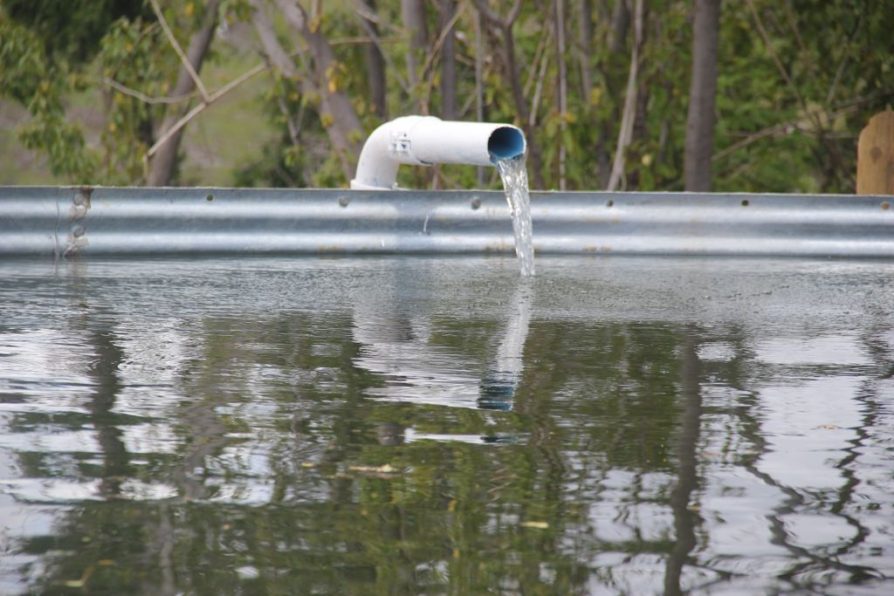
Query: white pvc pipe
<point>427,140</point>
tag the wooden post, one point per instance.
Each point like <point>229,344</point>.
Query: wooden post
<point>875,156</point>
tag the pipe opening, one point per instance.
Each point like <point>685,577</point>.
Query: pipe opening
<point>505,142</point>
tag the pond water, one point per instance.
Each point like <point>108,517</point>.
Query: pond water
<point>416,425</point>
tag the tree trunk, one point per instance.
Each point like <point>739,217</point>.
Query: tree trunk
<point>375,68</point>
<point>702,94</point>
<point>686,521</point>
<point>628,117</point>
<point>620,26</point>
<point>413,14</point>
<point>273,50</point>
<point>513,77</point>
<point>448,62</point>
<point>277,57</point>
<point>618,15</point>
<point>561,87</point>
<point>585,47</point>
<point>163,164</point>
<point>479,83</point>
<point>521,106</point>
<point>640,120</point>
<point>337,113</point>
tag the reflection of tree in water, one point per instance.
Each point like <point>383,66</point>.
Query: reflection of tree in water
<point>348,511</point>
<point>456,511</point>
<point>94,534</point>
<point>749,445</point>
<point>685,519</point>
<point>104,372</point>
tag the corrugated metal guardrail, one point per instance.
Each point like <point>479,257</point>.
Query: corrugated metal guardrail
<point>67,221</point>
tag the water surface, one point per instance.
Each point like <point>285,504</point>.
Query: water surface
<point>413,425</point>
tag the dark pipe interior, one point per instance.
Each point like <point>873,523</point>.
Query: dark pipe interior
<point>505,142</point>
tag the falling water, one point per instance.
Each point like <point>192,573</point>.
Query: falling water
<point>515,183</point>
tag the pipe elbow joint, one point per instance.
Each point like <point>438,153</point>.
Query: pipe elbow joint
<point>427,140</point>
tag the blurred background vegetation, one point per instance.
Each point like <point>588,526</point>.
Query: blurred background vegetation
<point>750,95</point>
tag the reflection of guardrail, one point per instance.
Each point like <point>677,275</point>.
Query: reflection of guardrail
<point>154,221</point>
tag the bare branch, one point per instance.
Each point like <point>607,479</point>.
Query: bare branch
<point>540,79</point>
<point>759,23</point>
<point>163,164</point>
<point>337,113</point>
<point>362,10</point>
<point>413,27</point>
<point>539,52</point>
<point>200,107</point>
<point>430,58</point>
<point>765,37</point>
<point>292,123</point>
<point>124,90</point>
<point>186,63</point>
<point>625,135</point>
<point>272,48</point>
<point>196,110</point>
<point>479,83</point>
<point>488,14</point>
<point>513,13</point>
<point>294,14</point>
<point>791,126</point>
<point>563,87</point>
<point>584,46</point>
<point>445,31</point>
<point>513,79</point>
<point>844,59</point>
<point>366,16</point>
<point>495,18</point>
<point>447,13</point>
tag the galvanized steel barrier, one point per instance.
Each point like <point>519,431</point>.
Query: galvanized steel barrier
<point>69,221</point>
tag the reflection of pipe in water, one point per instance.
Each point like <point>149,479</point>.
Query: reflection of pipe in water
<point>395,345</point>
<point>411,435</point>
<point>390,434</point>
<point>498,386</point>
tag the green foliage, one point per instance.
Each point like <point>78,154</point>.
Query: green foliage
<point>790,110</point>
<point>113,50</point>
<point>797,81</point>
<point>129,56</point>
<point>29,76</point>
<point>71,29</point>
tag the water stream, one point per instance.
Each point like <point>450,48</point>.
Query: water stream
<point>515,183</point>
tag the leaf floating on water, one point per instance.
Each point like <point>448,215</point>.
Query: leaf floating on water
<point>540,525</point>
<point>386,470</point>
<point>80,583</point>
